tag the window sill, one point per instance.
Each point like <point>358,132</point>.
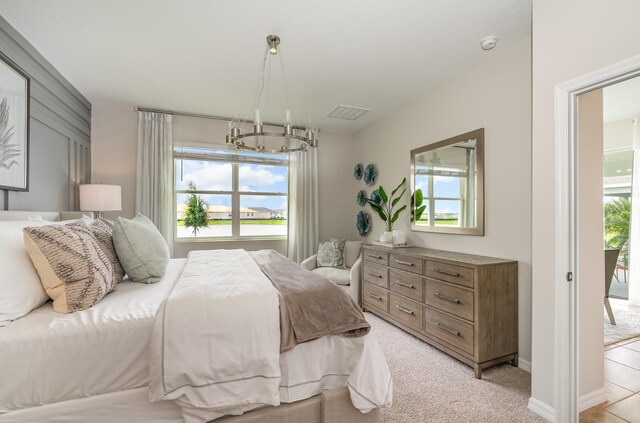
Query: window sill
<point>229,239</point>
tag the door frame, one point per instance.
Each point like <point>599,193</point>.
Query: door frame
<point>566,191</point>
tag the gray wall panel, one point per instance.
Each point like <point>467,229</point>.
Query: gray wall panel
<point>60,139</point>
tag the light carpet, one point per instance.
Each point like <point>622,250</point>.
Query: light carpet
<point>430,386</point>
<point>627,326</point>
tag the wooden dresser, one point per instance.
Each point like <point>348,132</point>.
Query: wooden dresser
<point>463,304</point>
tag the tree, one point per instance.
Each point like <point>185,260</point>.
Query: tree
<point>195,213</point>
<point>617,214</point>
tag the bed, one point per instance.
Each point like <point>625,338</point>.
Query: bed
<point>93,365</point>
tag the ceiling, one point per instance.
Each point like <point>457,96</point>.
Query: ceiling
<point>203,56</point>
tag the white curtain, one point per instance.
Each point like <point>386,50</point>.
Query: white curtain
<point>634,230</point>
<point>154,177</point>
<point>303,204</point>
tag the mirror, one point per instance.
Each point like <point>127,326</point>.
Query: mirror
<point>447,185</point>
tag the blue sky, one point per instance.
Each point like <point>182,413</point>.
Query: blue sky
<point>212,176</point>
<point>443,186</point>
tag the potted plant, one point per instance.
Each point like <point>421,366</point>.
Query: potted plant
<point>384,206</point>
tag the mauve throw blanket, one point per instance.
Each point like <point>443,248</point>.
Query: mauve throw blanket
<point>311,306</point>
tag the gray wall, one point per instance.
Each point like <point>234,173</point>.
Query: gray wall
<point>60,132</point>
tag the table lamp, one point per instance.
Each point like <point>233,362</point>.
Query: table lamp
<point>99,198</point>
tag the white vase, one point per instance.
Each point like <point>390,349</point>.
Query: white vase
<point>399,237</point>
<point>386,237</point>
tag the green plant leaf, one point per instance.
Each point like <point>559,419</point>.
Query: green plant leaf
<point>418,198</point>
<point>382,215</point>
<point>419,212</point>
<point>395,201</point>
<point>398,187</point>
<point>397,213</point>
<point>383,194</point>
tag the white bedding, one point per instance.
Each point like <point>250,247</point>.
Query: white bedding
<point>46,357</point>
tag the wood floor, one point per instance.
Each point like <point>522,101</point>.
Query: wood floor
<point>622,381</point>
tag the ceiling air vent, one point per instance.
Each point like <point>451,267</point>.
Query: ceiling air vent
<point>347,112</point>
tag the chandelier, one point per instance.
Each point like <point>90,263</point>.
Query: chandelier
<point>308,137</point>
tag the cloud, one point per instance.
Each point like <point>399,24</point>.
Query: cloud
<point>206,175</point>
<point>262,178</point>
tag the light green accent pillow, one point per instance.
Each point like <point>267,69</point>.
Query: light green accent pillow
<point>141,249</point>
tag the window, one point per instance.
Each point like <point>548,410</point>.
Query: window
<point>444,188</point>
<point>245,192</point>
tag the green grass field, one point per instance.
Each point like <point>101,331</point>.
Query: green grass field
<point>438,222</point>
<point>244,222</point>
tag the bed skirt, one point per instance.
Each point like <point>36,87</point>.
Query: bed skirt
<point>331,406</point>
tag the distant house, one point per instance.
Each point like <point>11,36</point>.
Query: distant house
<point>279,214</point>
<point>261,213</point>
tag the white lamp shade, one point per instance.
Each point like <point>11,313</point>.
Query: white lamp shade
<point>98,197</point>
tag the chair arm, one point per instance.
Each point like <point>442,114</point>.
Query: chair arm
<point>310,263</point>
<point>354,276</point>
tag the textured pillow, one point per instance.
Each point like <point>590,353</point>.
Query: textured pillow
<point>74,271</point>
<point>331,254</point>
<point>102,230</point>
<point>20,287</point>
<point>141,249</point>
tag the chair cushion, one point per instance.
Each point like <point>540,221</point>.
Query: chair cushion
<point>338,276</point>
<point>351,252</point>
<point>331,254</point>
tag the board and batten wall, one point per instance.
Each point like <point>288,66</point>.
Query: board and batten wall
<point>114,139</point>
<point>60,132</point>
<point>496,96</point>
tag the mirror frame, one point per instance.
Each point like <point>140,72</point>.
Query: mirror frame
<point>478,134</point>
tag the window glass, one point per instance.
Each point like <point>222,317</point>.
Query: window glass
<point>262,178</point>
<point>206,175</point>
<point>263,215</point>
<point>219,216</point>
<point>446,186</point>
<point>447,213</point>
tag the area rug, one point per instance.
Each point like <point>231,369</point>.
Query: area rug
<point>430,386</point>
<point>627,326</point>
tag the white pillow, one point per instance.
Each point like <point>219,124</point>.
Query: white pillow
<point>20,287</point>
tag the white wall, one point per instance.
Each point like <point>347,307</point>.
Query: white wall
<point>570,38</point>
<point>496,96</point>
<point>114,138</point>
<point>590,243</point>
<point>618,134</point>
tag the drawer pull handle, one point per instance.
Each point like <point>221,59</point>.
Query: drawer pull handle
<point>374,256</point>
<point>406,285</point>
<point>444,297</point>
<point>377,297</point>
<point>446,329</point>
<point>406,263</point>
<point>375,275</point>
<point>404,309</point>
<point>446,272</point>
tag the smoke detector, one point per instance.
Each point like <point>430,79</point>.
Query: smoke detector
<point>488,43</point>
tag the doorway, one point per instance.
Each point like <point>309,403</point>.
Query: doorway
<point>573,361</point>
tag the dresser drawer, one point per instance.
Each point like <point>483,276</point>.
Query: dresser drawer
<point>450,298</point>
<point>449,272</point>
<point>406,284</point>
<point>376,256</point>
<point>410,264</point>
<point>449,329</point>
<point>406,311</point>
<point>376,273</point>
<point>375,297</point>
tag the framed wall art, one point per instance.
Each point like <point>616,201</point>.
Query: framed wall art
<point>14,127</point>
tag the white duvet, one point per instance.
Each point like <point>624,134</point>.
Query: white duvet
<point>47,357</point>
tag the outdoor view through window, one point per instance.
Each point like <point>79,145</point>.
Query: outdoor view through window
<point>230,194</point>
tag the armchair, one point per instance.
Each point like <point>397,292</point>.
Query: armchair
<point>347,278</point>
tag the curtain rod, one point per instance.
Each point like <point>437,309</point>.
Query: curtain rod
<point>196,115</point>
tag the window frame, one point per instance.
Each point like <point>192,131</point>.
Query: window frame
<point>431,199</point>
<point>235,192</point>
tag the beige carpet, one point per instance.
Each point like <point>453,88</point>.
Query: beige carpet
<point>430,386</point>
<point>627,326</point>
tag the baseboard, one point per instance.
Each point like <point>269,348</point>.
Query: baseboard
<point>592,398</point>
<point>542,409</point>
<point>524,365</point>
